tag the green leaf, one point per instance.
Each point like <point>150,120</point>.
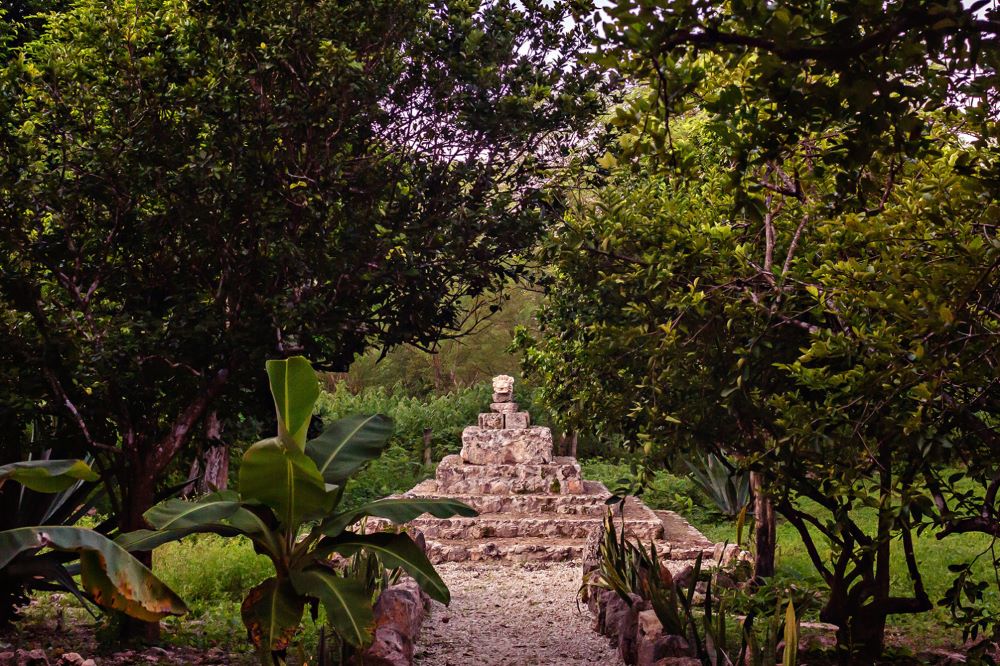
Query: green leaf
<point>791,637</point>
<point>272,612</point>
<point>295,389</point>
<point>399,510</point>
<point>395,550</point>
<point>347,444</point>
<point>141,540</point>
<point>109,574</point>
<point>178,513</point>
<point>348,604</point>
<point>48,476</point>
<point>286,481</point>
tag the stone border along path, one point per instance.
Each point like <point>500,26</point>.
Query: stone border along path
<point>512,615</point>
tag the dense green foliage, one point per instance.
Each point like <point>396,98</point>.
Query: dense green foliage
<point>187,188</point>
<point>796,265</point>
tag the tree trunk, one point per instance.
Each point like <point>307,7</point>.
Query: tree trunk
<point>573,438</point>
<point>428,451</point>
<point>764,529</point>
<point>141,488</point>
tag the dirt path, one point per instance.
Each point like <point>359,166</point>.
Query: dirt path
<point>512,615</point>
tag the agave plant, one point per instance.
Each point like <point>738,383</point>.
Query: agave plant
<point>288,502</point>
<point>725,484</point>
<point>36,557</point>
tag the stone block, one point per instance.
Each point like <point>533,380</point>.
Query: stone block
<point>514,420</point>
<point>503,407</point>
<point>491,421</point>
<point>503,397</point>
<point>506,447</point>
<point>399,612</point>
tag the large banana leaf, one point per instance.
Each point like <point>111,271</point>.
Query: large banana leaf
<point>272,612</point>
<point>285,480</point>
<point>109,574</point>
<point>295,389</point>
<point>178,513</point>
<point>399,510</point>
<point>348,604</point>
<point>395,550</point>
<point>143,540</point>
<point>347,444</point>
<point>48,476</point>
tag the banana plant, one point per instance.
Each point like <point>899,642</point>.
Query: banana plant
<point>288,505</point>
<point>35,557</point>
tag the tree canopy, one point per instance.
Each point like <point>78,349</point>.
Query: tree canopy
<point>191,187</point>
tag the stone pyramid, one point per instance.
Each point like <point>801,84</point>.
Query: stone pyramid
<point>532,506</point>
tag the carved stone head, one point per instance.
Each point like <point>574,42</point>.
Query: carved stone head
<point>503,384</point>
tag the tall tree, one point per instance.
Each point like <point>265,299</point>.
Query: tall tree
<point>191,187</point>
<point>849,360</point>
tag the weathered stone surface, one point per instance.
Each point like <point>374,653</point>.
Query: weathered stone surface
<point>652,645</point>
<point>504,407</point>
<point>503,397</point>
<point>509,526</point>
<point>71,659</point>
<point>506,447</point>
<point>491,421</point>
<point>399,612</point>
<point>514,420</point>
<point>503,384</point>
<point>455,478</point>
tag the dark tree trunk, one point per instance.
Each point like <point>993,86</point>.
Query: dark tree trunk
<point>140,498</point>
<point>764,529</point>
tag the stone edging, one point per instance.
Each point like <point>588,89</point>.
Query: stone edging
<point>399,614</point>
<point>636,631</point>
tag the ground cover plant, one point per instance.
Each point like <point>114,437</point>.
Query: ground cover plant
<point>288,505</point>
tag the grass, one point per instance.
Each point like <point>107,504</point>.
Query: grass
<point>925,630</point>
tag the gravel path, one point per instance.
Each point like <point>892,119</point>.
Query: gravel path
<point>511,615</point>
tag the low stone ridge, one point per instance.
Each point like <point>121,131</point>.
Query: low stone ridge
<point>532,505</point>
<point>399,614</point>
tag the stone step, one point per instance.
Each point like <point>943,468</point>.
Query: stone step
<point>588,504</point>
<point>535,549</point>
<point>505,550</point>
<point>510,525</point>
<point>454,477</point>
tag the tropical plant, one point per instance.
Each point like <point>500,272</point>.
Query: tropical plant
<point>629,568</point>
<point>37,557</point>
<point>727,485</point>
<point>288,505</point>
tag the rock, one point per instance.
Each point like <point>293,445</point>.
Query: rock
<point>491,420</point>
<point>503,407</point>
<point>654,647</point>
<point>725,554</point>
<point>399,612</point>
<point>682,579</point>
<point>32,658</point>
<point>71,659</point>
<point>678,661</point>
<point>505,447</point>
<point>516,420</point>
<point>627,631</point>
<point>503,397</point>
<point>8,659</point>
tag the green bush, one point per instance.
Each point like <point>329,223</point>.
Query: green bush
<point>206,568</point>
